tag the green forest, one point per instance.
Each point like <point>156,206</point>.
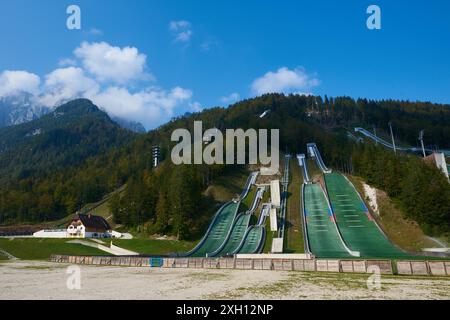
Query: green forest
<point>83,156</point>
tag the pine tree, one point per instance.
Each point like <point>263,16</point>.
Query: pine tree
<point>162,214</point>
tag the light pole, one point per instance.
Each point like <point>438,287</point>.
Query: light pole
<point>421,143</point>
<point>392,136</point>
<point>156,152</point>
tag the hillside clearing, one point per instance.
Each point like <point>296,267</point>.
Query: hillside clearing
<point>155,247</point>
<point>294,227</point>
<point>405,233</point>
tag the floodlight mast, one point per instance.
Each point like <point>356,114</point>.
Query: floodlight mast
<point>392,136</point>
<point>421,143</point>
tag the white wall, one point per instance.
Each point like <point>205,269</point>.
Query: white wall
<point>61,234</point>
<point>58,234</point>
<point>440,162</point>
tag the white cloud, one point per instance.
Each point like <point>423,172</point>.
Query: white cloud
<point>182,30</point>
<point>195,106</point>
<point>106,75</point>
<point>210,44</point>
<point>65,84</point>
<point>151,107</point>
<point>284,80</point>
<point>67,62</point>
<point>12,82</point>
<point>108,63</point>
<point>95,32</point>
<point>230,98</point>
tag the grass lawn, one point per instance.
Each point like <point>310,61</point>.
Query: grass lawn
<point>294,242</point>
<point>246,204</point>
<point>313,169</point>
<point>3,257</point>
<point>269,238</point>
<point>155,247</point>
<point>228,185</point>
<point>42,249</point>
<point>100,208</point>
<point>102,211</point>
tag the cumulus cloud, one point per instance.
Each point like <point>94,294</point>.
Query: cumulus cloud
<point>108,63</point>
<point>182,30</point>
<point>95,32</point>
<point>230,98</point>
<point>106,75</point>
<point>67,62</point>
<point>209,45</point>
<point>65,84</point>
<point>284,80</point>
<point>195,106</point>
<point>12,82</point>
<point>151,107</point>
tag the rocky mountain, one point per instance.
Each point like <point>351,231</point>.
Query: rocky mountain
<point>24,107</point>
<point>130,125</point>
<point>19,108</point>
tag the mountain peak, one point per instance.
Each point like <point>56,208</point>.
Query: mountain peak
<point>78,106</point>
<point>19,108</point>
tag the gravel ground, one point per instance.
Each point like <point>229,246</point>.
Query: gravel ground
<point>45,280</point>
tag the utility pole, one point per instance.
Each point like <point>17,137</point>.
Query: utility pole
<point>421,143</point>
<point>392,135</point>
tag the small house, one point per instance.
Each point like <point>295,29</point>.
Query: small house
<point>88,226</point>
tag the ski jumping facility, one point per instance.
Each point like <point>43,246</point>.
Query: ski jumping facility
<point>340,233</point>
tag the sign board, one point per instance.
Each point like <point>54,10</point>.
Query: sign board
<point>437,268</point>
<point>309,265</point>
<point>299,265</point>
<point>419,268</point>
<point>384,265</point>
<point>359,266</point>
<point>322,265</point>
<point>404,267</point>
<point>333,265</point>
<point>347,266</point>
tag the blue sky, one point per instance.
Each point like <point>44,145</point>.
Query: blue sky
<point>184,55</point>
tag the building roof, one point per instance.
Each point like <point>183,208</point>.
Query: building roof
<point>91,221</point>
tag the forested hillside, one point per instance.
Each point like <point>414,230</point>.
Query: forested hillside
<point>66,137</point>
<point>170,200</point>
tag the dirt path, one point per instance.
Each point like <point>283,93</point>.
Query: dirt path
<point>44,280</point>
